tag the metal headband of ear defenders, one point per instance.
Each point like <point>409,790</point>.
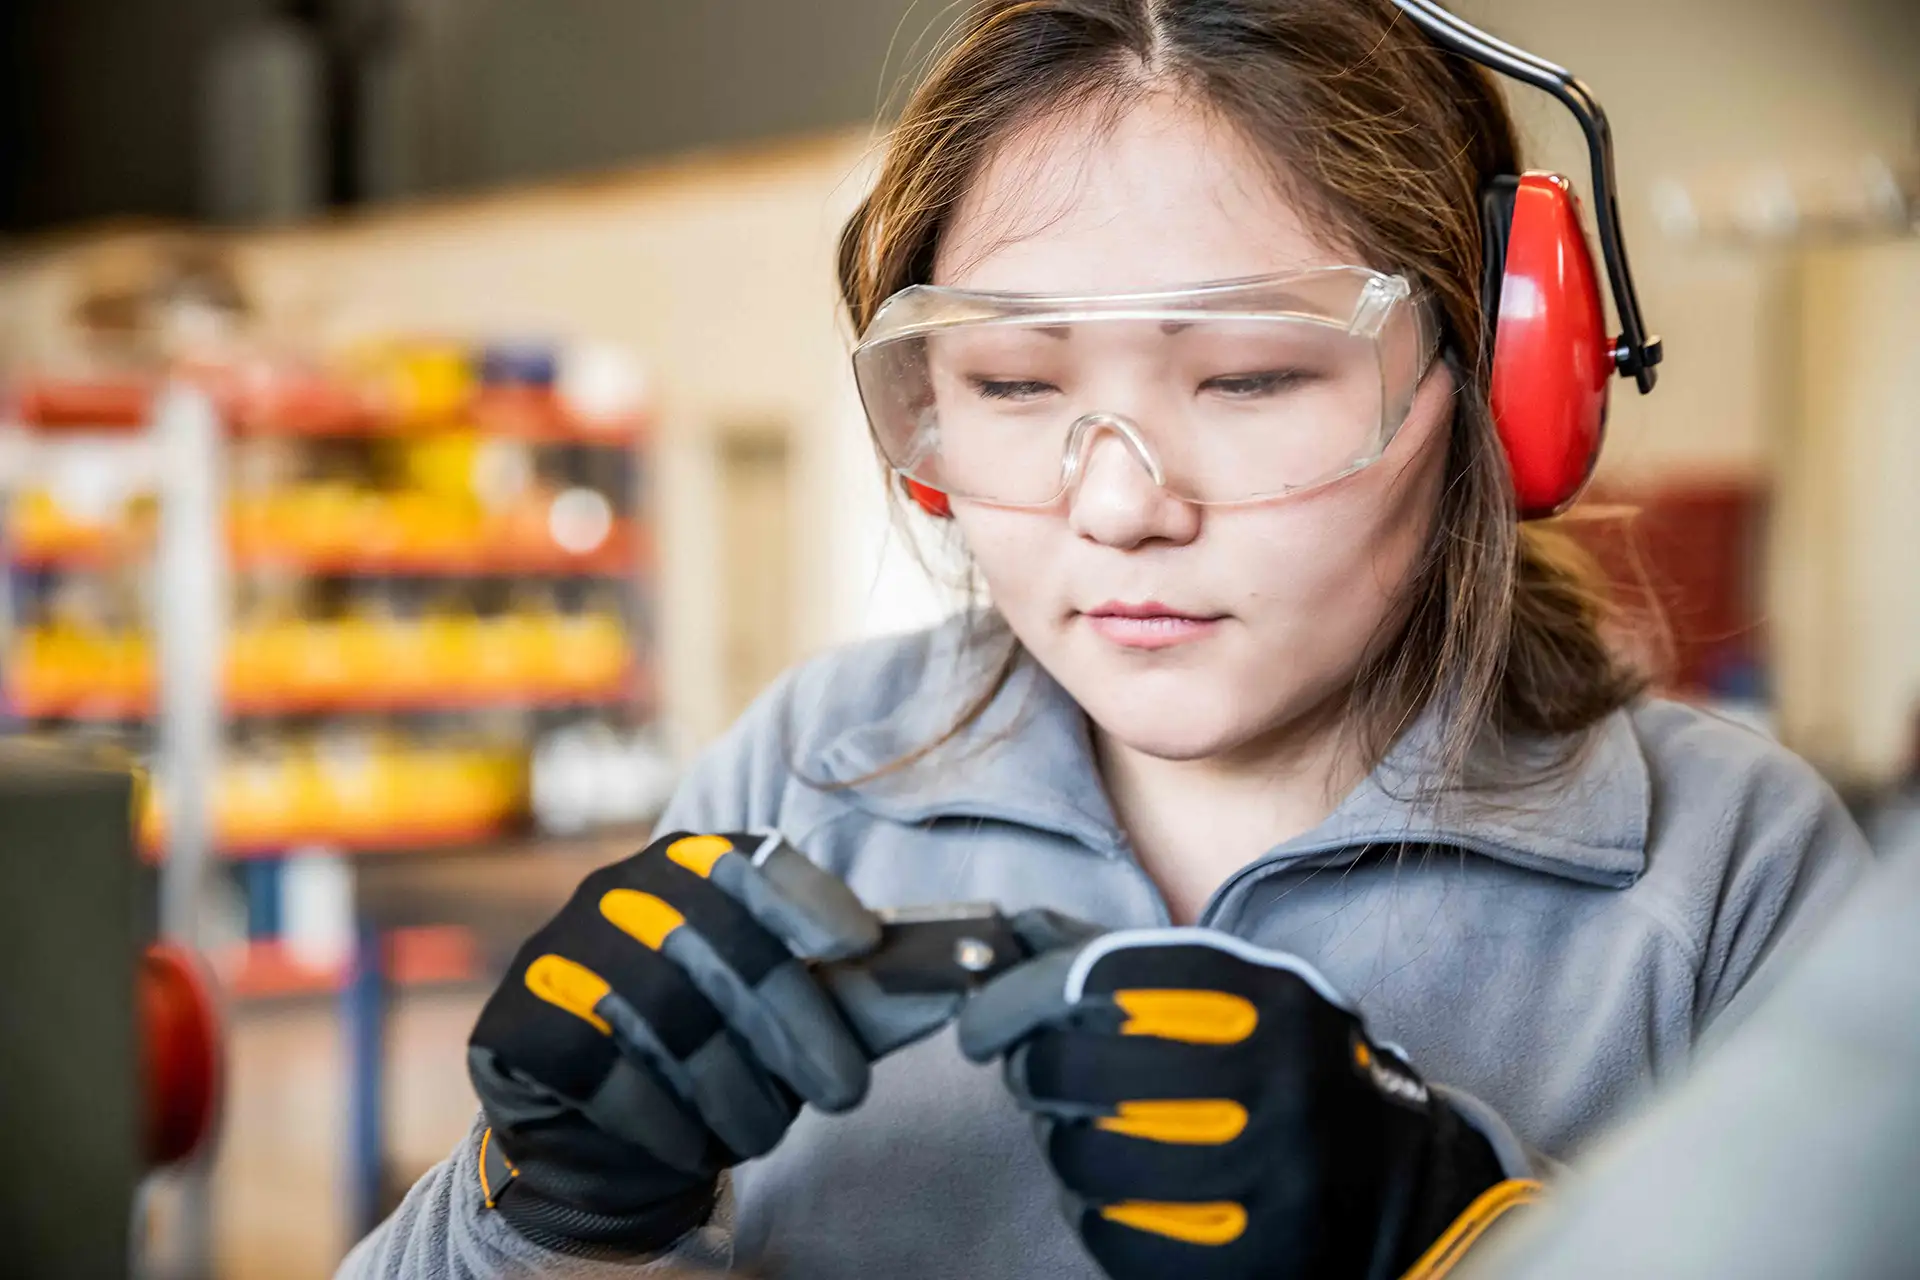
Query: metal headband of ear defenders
<point>1230,392</point>
<point>1635,352</point>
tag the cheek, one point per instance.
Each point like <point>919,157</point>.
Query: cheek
<point>1348,552</point>
<point>1010,550</point>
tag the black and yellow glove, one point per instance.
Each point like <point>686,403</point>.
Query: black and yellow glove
<point>1215,1111</point>
<point>661,1028</point>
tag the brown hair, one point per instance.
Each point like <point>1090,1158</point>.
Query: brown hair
<point>1381,139</point>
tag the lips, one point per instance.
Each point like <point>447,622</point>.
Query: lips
<point>1147,609</point>
<point>1149,624</point>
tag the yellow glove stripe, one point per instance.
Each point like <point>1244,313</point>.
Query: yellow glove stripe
<point>1456,1240</point>
<point>1187,1121</point>
<point>1214,1223</point>
<point>1195,1017</point>
<point>698,853</point>
<point>640,915</point>
<point>570,986</point>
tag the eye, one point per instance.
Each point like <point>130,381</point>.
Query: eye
<point>1012,388</point>
<point>1248,386</point>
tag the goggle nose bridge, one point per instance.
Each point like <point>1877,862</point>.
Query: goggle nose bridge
<point>1086,430</point>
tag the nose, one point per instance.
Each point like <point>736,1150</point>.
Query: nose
<point>1116,493</point>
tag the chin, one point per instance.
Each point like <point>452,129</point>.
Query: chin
<point>1171,728</point>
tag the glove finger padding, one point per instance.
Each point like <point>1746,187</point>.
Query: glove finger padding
<point>615,1092</point>
<point>735,913</point>
<point>661,1028</point>
<point>1217,1110</point>
<point>1200,1131</point>
<point>814,913</point>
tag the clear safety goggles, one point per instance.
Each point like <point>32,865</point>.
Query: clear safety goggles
<point>1225,393</point>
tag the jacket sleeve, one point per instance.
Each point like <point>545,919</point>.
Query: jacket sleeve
<point>443,1229</point>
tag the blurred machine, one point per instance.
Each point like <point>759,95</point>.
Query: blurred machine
<point>112,1061</point>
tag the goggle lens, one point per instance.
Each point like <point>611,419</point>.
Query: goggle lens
<point>1227,407</point>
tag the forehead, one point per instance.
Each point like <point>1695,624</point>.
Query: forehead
<point>1103,199</point>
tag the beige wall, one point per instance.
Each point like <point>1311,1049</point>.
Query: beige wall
<point>1846,585</point>
<point>1698,91</point>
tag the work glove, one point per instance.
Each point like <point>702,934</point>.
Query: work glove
<point>661,1028</point>
<point>1214,1111</point>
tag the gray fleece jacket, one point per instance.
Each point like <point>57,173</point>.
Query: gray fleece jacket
<point>1554,951</point>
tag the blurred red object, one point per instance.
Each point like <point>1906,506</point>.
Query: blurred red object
<point>416,955</point>
<point>1697,548</point>
<point>180,1038</point>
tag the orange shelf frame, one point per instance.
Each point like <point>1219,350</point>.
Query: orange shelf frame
<point>92,554</point>
<point>421,955</point>
<point>302,409</point>
<point>120,404</point>
<point>320,409</point>
<point>397,841</point>
<point>346,701</point>
<point>624,551</point>
<point>332,412</point>
<point>542,418</point>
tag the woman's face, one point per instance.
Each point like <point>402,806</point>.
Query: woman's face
<point>1185,631</point>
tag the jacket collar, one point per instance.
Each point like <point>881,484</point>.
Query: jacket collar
<point>1029,760</point>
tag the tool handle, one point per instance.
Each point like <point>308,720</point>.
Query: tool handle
<point>929,960</point>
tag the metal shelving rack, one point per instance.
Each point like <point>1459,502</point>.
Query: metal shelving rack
<point>189,435</point>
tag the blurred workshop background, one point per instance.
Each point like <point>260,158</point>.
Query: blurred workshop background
<point>427,422</point>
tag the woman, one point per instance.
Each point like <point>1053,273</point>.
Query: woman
<point>1270,654</point>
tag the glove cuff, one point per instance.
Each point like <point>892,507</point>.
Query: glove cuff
<point>1466,1231</point>
<point>1446,1165</point>
<point>1513,1156</point>
<point>584,1233</point>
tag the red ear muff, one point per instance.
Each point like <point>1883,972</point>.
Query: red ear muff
<point>931,501</point>
<point>1552,357</point>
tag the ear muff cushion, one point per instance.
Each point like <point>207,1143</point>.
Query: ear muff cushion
<point>1552,359</point>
